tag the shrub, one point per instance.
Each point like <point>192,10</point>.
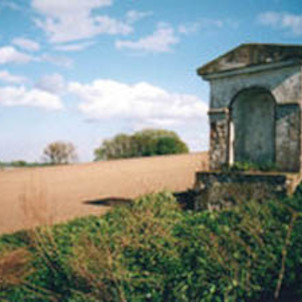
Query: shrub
<point>148,142</point>
<point>236,254</point>
<point>152,251</point>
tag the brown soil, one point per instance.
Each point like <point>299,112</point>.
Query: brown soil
<point>38,196</point>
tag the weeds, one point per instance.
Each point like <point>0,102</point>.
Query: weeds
<point>250,166</point>
<point>14,267</point>
<point>150,250</point>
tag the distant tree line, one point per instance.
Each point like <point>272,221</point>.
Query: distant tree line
<point>21,164</point>
<point>148,142</point>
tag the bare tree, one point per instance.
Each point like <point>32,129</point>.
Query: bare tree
<point>59,153</point>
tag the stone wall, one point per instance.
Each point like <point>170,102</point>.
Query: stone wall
<point>284,147</point>
<point>284,84</point>
<point>218,139</point>
<point>288,137</point>
<point>215,190</point>
<point>255,116</point>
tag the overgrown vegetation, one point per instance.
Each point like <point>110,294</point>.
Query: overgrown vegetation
<point>251,166</point>
<point>151,250</point>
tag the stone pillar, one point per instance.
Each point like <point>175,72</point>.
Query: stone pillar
<point>288,137</point>
<point>219,124</point>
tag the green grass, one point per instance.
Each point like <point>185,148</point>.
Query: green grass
<point>250,166</point>
<point>151,250</point>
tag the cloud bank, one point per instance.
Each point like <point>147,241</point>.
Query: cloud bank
<point>63,22</point>
<point>20,96</point>
<point>139,103</point>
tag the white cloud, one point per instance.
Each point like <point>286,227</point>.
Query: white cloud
<point>282,20</point>
<point>160,41</point>
<point>206,24</point>
<point>74,47</point>
<point>57,8</point>
<point>9,54</point>
<point>133,16</point>
<point>26,44</point>
<point>143,105</point>
<point>53,83</point>
<point>20,96</point>
<point>64,22</point>
<point>6,76</point>
<point>107,25</point>
<point>57,60</point>
<point>189,28</point>
<point>138,103</point>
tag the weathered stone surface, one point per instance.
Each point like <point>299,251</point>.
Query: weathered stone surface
<point>255,116</point>
<point>288,141</point>
<point>284,83</point>
<point>260,87</point>
<point>250,55</point>
<point>218,139</point>
<point>215,190</point>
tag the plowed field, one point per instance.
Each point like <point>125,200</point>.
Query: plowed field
<point>36,196</point>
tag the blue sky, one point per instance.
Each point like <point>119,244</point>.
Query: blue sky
<point>84,70</point>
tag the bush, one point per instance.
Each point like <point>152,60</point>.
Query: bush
<point>148,142</point>
<point>236,254</point>
<point>152,251</point>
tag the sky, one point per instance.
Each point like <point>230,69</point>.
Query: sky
<point>82,71</point>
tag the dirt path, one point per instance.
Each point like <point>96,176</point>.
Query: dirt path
<point>35,196</point>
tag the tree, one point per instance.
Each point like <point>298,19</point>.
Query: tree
<point>59,153</point>
<point>148,142</point>
<point>170,145</point>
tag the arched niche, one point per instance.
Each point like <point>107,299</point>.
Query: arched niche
<point>252,127</point>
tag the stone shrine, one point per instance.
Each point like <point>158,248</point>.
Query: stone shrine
<point>255,117</point>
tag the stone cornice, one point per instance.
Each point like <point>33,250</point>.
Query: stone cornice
<point>251,69</point>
